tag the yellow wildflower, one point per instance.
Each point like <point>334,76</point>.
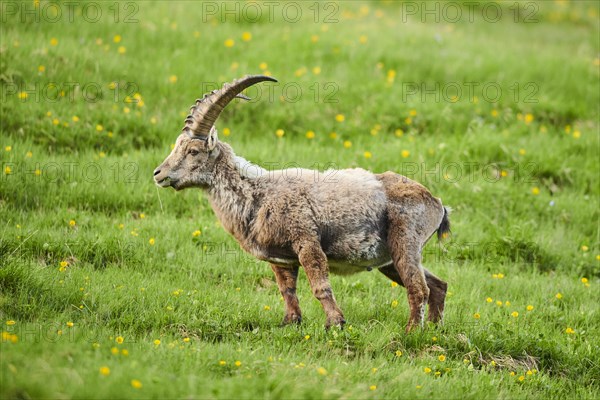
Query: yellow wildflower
<point>136,384</point>
<point>105,371</point>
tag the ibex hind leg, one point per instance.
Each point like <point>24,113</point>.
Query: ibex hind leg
<point>405,249</point>
<point>437,291</point>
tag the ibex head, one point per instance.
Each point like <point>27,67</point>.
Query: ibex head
<point>192,161</point>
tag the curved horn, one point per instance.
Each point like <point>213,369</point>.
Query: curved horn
<point>205,112</point>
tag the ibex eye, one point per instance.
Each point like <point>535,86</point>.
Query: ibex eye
<point>194,152</point>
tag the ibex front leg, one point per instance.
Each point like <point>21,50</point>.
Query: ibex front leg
<point>314,261</point>
<point>286,280</point>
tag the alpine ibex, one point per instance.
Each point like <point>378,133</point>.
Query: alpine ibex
<point>356,221</point>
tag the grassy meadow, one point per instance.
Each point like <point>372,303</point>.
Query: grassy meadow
<point>113,288</point>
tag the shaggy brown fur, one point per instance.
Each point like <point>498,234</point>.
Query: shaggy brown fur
<point>343,221</point>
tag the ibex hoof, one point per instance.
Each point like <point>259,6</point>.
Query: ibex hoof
<point>335,321</point>
<point>291,319</point>
<point>412,325</point>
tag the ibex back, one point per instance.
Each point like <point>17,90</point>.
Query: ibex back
<point>343,221</point>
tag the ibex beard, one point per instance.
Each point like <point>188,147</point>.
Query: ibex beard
<point>357,221</point>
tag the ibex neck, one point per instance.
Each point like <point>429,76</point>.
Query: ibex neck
<point>232,194</point>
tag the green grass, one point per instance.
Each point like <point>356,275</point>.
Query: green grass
<point>537,226</point>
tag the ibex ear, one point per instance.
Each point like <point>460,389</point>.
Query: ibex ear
<point>212,139</point>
